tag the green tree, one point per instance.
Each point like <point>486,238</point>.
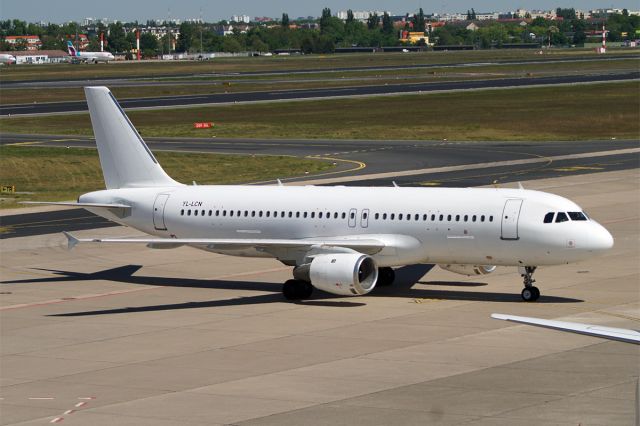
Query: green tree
<point>185,38</point>
<point>350,17</point>
<point>566,13</point>
<point>387,25</point>
<point>230,44</point>
<point>418,21</point>
<point>148,44</point>
<point>285,20</point>
<point>372,21</point>
<point>116,40</point>
<point>473,14</point>
<point>325,19</point>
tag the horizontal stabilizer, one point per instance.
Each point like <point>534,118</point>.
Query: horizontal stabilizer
<point>620,334</point>
<point>73,204</point>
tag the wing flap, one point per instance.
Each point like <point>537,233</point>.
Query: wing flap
<point>369,246</point>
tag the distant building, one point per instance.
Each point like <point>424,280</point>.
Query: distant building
<point>241,18</point>
<point>40,56</point>
<point>30,42</point>
<point>360,15</point>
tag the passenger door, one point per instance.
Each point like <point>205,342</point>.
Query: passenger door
<point>510,216</point>
<point>158,212</point>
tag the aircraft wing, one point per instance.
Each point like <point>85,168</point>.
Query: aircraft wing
<point>74,204</point>
<point>620,334</point>
<point>366,246</point>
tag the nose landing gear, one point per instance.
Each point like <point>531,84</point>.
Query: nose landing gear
<point>530,293</point>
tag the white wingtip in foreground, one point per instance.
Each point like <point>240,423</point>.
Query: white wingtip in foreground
<point>620,334</point>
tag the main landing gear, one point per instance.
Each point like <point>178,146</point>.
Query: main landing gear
<point>530,293</point>
<point>297,289</point>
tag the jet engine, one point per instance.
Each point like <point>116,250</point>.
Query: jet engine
<point>469,269</point>
<point>344,274</point>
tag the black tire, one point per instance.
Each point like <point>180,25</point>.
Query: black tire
<point>306,289</point>
<point>528,295</point>
<point>386,276</point>
<point>536,293</point>
<point>290,290</point>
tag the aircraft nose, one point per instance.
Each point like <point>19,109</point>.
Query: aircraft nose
<point>600,239</point>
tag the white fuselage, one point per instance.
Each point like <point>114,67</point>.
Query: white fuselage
<point>7,59</point>
<point>482,226</point>
<point>94,56</point>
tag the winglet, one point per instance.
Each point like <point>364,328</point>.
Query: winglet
<point>279,182</point>
<point>71,240</point>
<point>520,185</point>
<point>395,185</point>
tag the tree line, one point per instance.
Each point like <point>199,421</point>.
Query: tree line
<point>376,31</point>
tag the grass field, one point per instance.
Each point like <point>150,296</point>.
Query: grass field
<point>578,112</point>
<point>202,85</point>
<point>56,174</point>
<point>244,64</point>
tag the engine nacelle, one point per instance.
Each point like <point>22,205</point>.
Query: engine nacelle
<point>344,274</point>
<point>469,269</point>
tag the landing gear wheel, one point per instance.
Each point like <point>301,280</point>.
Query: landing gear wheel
<point>536,293</point>
<point>530,292</point>
<point>386,276</point>
<point>527,294</point>
<point>297,289</point>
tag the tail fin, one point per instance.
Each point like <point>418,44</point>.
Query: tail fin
<point>70,48</point>
<point>126,160</point>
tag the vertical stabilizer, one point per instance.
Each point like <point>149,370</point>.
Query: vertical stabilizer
<point>126,160</point>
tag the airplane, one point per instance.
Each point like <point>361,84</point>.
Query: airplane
<point>93,57</point>
<point>343,240</point>
<point>611,333</point>
<point>7,59</point>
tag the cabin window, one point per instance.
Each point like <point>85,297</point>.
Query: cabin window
<point>313,215</point>
<point>344,215</point>
<point>210,212</point>
<point>319,215</point>
<point>408,217</point>
<point>473,218</point>
<point>433,217</point>
<point>384,216</point>
<point>548,218</point>
<point>268,213</point>
<point>482,218</point>
<point>189,212</point>
<point>195,212</point>
<point>377,216</point>
<point>352,215</point>
<point>246,213</point>
<point>182,212</point>
<point>260,213</point>
<point>448,218</point>
<point>466,217</point>
<point>290,214</point>
<point>230,213</point>
<point>424,217</point>
<point>490,218</point>
<point>365,215</point>
<point>335,215</point>
<point>304,215</point>
<point>561,217</point>
<point>576,216</point>
<point>202,212</point>
<point>282,213</point>
<point>441,217</point>
<point>392,216</point>
<point>297,214</point>
<point>400,216</point>
<point>457,218</point>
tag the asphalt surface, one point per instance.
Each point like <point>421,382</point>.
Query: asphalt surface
<point>281,95</point>
<point>376,156</point>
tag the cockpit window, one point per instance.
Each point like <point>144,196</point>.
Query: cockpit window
<point>548,218</point>
<point>562,217</point>
<point>577,216</point>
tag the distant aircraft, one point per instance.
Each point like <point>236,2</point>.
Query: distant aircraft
<point>621,334</point>
<point>7,59</point>
<point>93,57</point>
<point>343,240</point>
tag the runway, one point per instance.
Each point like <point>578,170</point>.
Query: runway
<point>383,162</point>
<point>318,93</point>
